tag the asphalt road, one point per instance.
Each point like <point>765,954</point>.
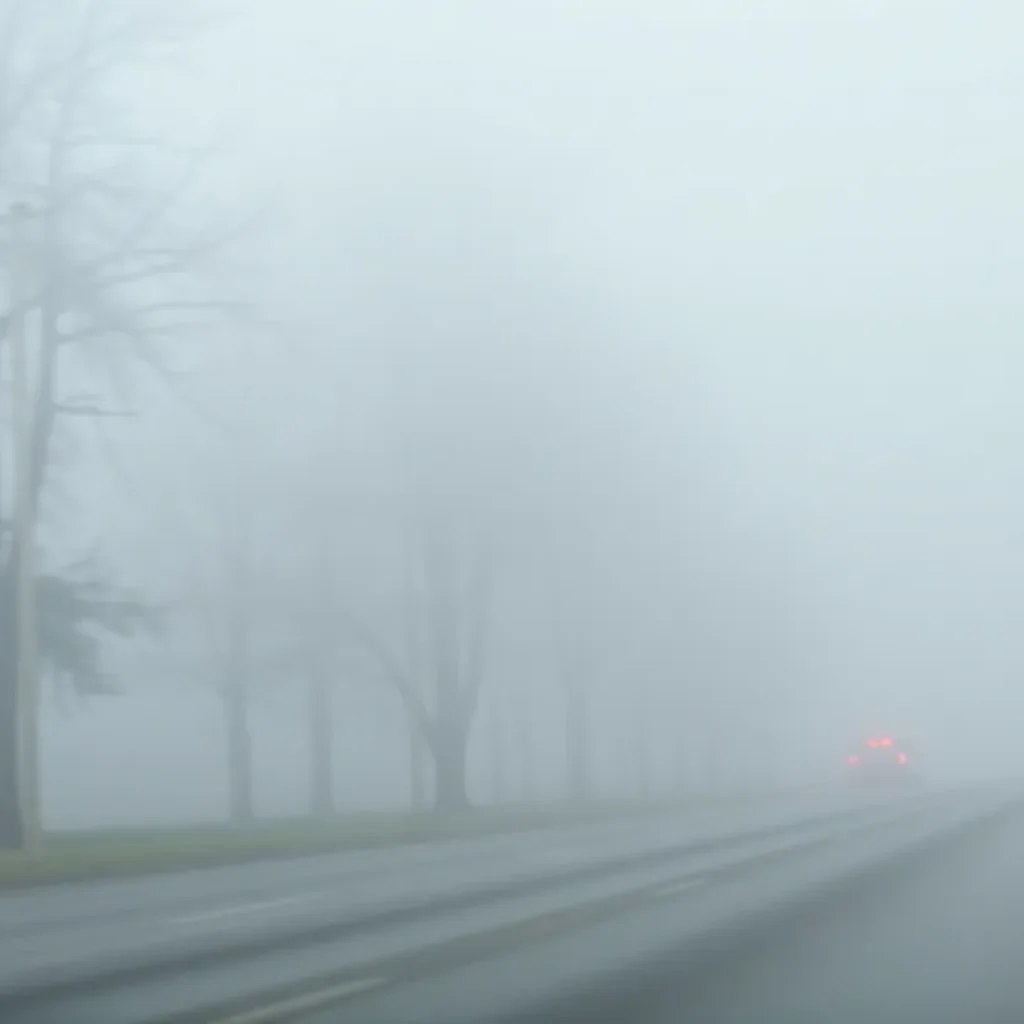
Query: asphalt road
<point>747,931</point>
<point>62,932</point>
<point>932,931</point>
<point>940,940</point>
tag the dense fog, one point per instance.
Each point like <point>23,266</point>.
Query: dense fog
<point>623,395</point>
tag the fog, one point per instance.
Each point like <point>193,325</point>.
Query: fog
<point>628,392</point>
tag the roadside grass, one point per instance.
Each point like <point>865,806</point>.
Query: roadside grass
<point>120,853</point>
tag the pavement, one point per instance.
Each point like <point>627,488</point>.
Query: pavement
<point>645,941</point>
<point>81,929</point>
<point>939,942</point>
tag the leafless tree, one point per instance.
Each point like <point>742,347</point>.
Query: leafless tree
<point>121,265</point>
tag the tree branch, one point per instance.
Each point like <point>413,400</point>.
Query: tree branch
<point>478,617</point>
<point>63,409</point>
<point>391,668</point>
<point>82,141</point>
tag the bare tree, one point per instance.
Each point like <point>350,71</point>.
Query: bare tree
<point>572,584</point>
<point>459,613</point>
<point>526,746</point>
<point>319,662</point>
<point>223,608</point>
<point>575,675</point>
<point>497,747</point>
<point>419,754</point>
<point>231,638</point>
<point>117,261</point>
<point>441,631</point>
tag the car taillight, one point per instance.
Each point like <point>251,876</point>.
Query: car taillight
<point>853,759</point>
<point>903,758</point>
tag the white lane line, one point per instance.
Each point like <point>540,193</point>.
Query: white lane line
<point>245,908</point>
<point>311,1001</point>
<point>673,888</point>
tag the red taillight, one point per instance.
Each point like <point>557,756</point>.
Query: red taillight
<point>903,758</point>
<point>872,743</point>
<point>885,743</point>
<point>853,759</point>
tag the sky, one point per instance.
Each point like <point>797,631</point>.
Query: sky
<point>754,266</point>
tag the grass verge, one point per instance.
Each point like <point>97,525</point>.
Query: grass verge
<point>117,853</point>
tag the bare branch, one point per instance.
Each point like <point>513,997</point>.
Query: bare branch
<point>177,261</point>
<point>155,212</point>
<point>197,307</point>
<point>392,670</point>
<point>83,141</point>
<point>478,615</point>
<point>65,409</point>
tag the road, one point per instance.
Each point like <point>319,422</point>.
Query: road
<point>940,940</point>
<point>933,936</point>
<point>759,929</point>
<point>81,930</point>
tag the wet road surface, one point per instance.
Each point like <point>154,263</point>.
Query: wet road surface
<point>940,939</point>
<point>935,937</point>
<point>916,916</point>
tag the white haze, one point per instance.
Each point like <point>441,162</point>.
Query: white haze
<point>727,291</point>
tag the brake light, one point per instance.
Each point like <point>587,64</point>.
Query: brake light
<point>853,759</point>
<point>885,743</point>
<point>872,743</point>
<point>903,758</point>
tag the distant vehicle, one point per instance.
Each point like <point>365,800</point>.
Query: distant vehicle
<point>880,762</point>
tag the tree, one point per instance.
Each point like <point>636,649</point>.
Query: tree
<point>497,743</point>
<point>116,259</point>
<point>74,607</point>
<point>454,590</point>
<point>419,755</point>
<point>318,662</point>
<point>458,612</point>
<point>575,674</point>
<point>231,605</point>
<point>224,609</point>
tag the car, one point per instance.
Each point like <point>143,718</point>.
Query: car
<point>880,761</point>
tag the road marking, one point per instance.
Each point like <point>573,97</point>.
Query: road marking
<point>245,908</point>
<point>299,1004</point>
<point>677,887</point>
<point>555,858</point>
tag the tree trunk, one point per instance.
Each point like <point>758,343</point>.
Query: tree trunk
<point>527,756</point>
<point>499,780</point>
<point>680,766</point>
<point>577,743</point>
<point>453,714</point>
<point>713,759</point>
<point>574,669</point>
<point>12,833</point>
<point>321,744</point>
<point>239,752</point>
<point>641,747</point>
<point>451,795</point>
<point>417,765</point>
<point>450,747</point>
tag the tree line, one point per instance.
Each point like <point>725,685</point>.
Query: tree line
<point>487,497</point>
